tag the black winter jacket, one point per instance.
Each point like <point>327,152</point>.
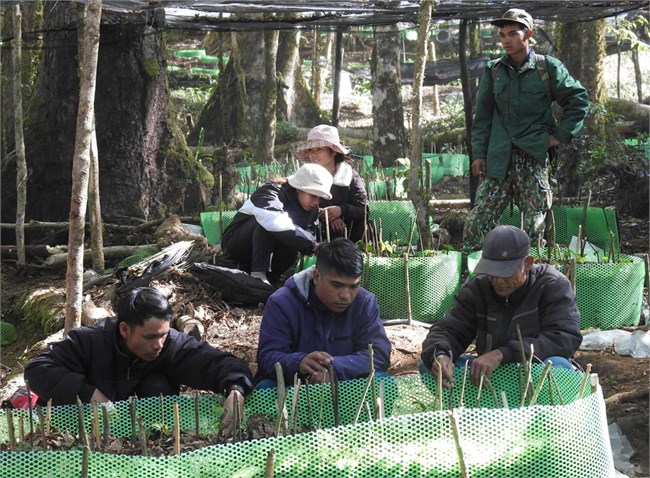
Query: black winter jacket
<point>544,307</point>
<point>96,357</point>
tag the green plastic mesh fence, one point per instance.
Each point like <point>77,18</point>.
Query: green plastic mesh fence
<point>608,295</point>
<point>396,219</point>
<point>599,222</point>
<point>433,283</point>
<point>212,227</point>
<point>8,334</point>
<point>564,434</point>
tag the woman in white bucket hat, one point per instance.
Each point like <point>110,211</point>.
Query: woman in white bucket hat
<point>279,220</point>
<point>347,210</point>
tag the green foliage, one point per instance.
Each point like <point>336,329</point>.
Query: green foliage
<point>285,133</point>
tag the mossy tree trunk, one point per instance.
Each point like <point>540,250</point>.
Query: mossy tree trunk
<point>146,165</point>
<point>387,108</point>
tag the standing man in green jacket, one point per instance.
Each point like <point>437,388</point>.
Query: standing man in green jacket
<point>514,130</point>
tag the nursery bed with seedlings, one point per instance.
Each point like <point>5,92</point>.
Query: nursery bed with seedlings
<point>525,421</point>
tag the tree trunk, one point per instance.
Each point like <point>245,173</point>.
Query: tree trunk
<point>21,164</point>
<point>637,73</point>
<point>288,61</point>
<point>417,195</point>
<point>81,163</point>
<point>468,104</point>
<point>94,207</point>
<point>336,78</point>
<point>389,136</point>
<point>145,162</point>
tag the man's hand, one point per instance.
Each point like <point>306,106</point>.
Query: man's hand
<point>315,364</point>
<point>444,363</point>
<point>337,225</point>
<point>485,365</point>
<point>234,399</point>
<point>553,141</point>
<point>98,397</point>
<point>478,167</point>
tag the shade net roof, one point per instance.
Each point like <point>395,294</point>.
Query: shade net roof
<point>226,15</point>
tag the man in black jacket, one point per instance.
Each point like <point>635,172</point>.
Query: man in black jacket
<point>135,353</point>
<point>509,291</point>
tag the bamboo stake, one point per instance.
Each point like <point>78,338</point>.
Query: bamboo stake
<point>334,383</point>
<point>438,402</point>
<point>106,427</point>
<point>371,360</point>
<point>10,429</point>
<point>529,371</point>
<point>381,413</point>
<point>538,388</point>
<point>504,399</point>
<point>320,404</point>
<point>270,464</point>
<point>132,409</point>
<point>583,384</point>
<point>48,416</point>
<point>369,380</point>
<point>41,426</point>
<point>85,459</point>
<point>282,396</point>
<point>95,428</point>
<point>294,404</point>
<point>327,225</point>
<point>177,428</point>
<point>162,411</point>
<point>310,422</point>
<point>83,438</point>
<point>407,290</point>
<point>459,450</point>
<point>461,402</point>
<point>21,429</point>
<point>557,387</point>
<point>221,207</point>
<point>480,389</point>
<point>143,437</point>
<point>31,416</point>
<point>488,382</point>
<point>196,414</point>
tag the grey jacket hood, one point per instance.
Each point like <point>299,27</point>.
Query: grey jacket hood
<point>302,280</point>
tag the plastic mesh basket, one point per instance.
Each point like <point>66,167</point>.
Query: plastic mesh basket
<point>599,222</point>
<point>8,333</point>
<point>608,295</point>
<point>548,439</point>
<point>212,227</point>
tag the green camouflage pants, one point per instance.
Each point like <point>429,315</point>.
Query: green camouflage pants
<point>526,185</point>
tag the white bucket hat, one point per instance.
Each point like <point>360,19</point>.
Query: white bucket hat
<point>313,179</point>
<point>322,136</point>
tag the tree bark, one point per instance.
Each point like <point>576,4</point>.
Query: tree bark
<point>21,163</point>
<point>417,195</point>
<point>146,164</point>
<point>288,61</point>
<point>110,252</point>
<point>94,207</point>
<point>389,136</point>
<point>81,163</point>
<point>468,104</point>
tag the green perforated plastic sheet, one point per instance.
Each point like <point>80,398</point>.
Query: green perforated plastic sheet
<point>213,226</point>
<point>433,283</point>
<point>598,224</point>
<point>566,439</point>
<point>396,219</point>
<point>608,295</point>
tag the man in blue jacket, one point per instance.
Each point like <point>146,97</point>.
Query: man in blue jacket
<point>321,317</point>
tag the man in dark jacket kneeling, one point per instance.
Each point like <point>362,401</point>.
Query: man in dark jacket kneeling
<point>509,291</point>
<point>135,353</point>
<point>320,317</point>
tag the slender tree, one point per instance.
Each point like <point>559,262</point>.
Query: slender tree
<point>81,164</point>
<point>21,163</point>
<point>419,196</point>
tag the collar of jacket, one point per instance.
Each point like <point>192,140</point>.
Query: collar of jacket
<point>343,175</point>
<point>529,62</point>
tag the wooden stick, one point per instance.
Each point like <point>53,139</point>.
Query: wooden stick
<point>143,437</point>
<point>371,360</point>
<point>31,416</point>
<point>334,383</point>
<point>41,426</point>
<point>270,464</point>
<point>327,225</point>
<point>196,414</point>
<point>10,430</point>
<point>83,438</point>
<point>95,434</point>
<point>282,396</point>
<point>21,429</point>
<point>310,422</point>
<point>538,388</point>
<point>162,411</point>
<point>48,416</point>
<point>459,450</point>
<point>294,404</point>
<point>132,409</point>
<point>438,402</point>
<point>85,460</point>
<point>461,402</point>
<point>488,382</point>
<point>381,413</point>
<point>369,380</point>
<point>407,290</point>
<point>106,424</point>
<point>583,384</point>
<point>177,428</point>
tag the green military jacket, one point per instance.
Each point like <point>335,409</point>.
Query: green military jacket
<point>515,109</point>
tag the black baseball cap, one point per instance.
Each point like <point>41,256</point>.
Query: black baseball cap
<point>504,249</point>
